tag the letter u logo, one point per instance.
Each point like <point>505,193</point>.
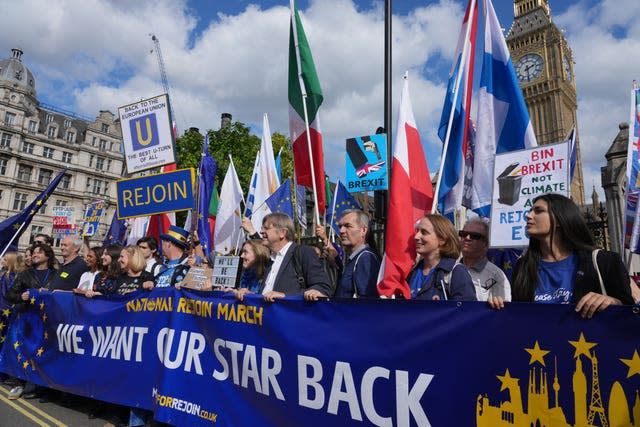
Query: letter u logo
<point>144,141</point>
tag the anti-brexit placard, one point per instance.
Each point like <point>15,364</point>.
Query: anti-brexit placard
<point>147,134</point>
<point>366,163</point>
<point>197,359</point>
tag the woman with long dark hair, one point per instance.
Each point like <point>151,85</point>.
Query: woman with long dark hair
<point>561,265</point>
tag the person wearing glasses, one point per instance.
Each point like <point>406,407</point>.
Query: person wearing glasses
<point>438,275</point>
<point>487,277</point>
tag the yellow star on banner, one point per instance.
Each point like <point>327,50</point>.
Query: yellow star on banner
<point>33,300</point>
<point>39,202</point>
<point>40,351</point>
<point>33,365</point>
<point>507,381</point>
<point>25,364</point>
<point>633,364</point>
<point>2,339</point>
<point>19,357</point>
<point>537,354</point>
<point>1,326</point>
<point>44,317</point>
<point>6,312</point>
<point>506,265</point>
<point>16,345</point>
<point>16,226</point>
<point>41,306</point>
<point>582,346</point>
<point>46,335</point>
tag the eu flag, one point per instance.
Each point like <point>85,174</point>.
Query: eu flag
<point>280,200</point>
<point>206,187</point>
<point>343,200</point>
<point>12,228</point>
<point>117,232</point>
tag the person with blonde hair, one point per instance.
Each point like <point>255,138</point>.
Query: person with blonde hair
<point>438,275</point>
<point>133,276</point>
<point>11,264</point>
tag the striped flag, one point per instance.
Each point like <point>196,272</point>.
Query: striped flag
<point>305,98</point>
<point>267,181</point>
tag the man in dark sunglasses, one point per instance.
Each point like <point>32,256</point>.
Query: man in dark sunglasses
<point>488,279</point>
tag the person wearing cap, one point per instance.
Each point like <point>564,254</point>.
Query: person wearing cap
<point>488,280</point>
<point>174,247</point>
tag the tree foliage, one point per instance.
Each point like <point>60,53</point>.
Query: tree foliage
<point>236,140</point>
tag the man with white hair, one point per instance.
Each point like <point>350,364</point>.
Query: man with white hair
<point>68,275</point>
<point>488,279</point>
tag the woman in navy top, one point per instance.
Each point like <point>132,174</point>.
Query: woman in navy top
<point>438,275</point>
<point>558,266</point>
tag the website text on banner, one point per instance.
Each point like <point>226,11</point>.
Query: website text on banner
<point>260,366</point>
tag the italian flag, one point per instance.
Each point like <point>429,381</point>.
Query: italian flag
<point>304,86</point>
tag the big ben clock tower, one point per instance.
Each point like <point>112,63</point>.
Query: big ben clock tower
<point>543,62</point>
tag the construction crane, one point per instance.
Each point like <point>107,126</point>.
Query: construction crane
<point>165,80</point>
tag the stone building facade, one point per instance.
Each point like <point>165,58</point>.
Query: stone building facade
<point>37,141</point>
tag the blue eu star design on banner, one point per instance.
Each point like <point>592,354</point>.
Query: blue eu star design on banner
<point>28,334</point>
<point>144,132</point>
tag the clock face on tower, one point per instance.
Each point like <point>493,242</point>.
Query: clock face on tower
<point>529,67</point>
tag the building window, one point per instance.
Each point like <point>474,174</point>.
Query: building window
<point>51,132</point>
<point>47,152</point>
<point>62,202</point>
<point>100,163</point>
<point>43,209</point>
<point>108,165</point>
<point>103,145</point>
<point>33,126</point>
<point>35,230</point>
<point>49,118</point>
<point>67,123</point>
<point>66,157</point>
<point>91,160</point>
<point>93,141</point>
<point>27,147</point>
<point>97,186</point>
<point>3,166</point>
<point>24,172</point>
<point>105,128</point>
<point>45,176</point>
<point>71,136</point>
<point>20,202</point>
<point>66,182</point>
<point>9,118</point>
<point>6,140</point>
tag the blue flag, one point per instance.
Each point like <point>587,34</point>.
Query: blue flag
<point>12,228</point>
<point>280,200</point>
<point>117,234</point>
<point>207,186</point>
<point>343,201</point>
<point>279,165</point>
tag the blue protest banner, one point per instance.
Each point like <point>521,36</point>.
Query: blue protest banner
<point>154,194</point>
<point>366,163</point>
<point>92,217</point>
<point>194,357</point>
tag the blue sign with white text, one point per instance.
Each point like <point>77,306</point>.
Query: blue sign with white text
<point>366,163</point>
<point>194,358</point>
<point>153,194</point>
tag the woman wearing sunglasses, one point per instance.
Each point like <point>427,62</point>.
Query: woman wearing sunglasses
<point>561,266</point>
<point>438,275</point>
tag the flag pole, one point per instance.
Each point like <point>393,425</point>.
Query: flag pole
<point>456,89</point>
<point>304,106</point>
<point>17,233</point>
<point>333,211</point>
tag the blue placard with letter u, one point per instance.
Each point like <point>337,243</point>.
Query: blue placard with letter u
<point>144,132</point>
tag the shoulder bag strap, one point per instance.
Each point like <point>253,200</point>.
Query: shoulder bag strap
<point>594,258</point>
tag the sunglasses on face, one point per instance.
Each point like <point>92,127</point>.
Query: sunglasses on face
<point>471,234</point>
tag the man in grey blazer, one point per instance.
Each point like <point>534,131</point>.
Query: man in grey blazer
<point>294,269</point>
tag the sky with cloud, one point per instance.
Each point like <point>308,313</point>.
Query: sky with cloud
<point>231,56</point>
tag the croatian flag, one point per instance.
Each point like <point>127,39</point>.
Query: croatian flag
<point>455,122</point>
<point>503,122</point>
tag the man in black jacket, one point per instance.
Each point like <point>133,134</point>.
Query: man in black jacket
<point>295,269</point>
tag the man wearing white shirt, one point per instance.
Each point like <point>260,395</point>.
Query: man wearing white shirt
<point>295,269</point>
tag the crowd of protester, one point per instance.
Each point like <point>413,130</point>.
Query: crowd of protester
<point>561,265</point>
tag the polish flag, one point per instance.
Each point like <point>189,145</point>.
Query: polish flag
<point>410,197</point>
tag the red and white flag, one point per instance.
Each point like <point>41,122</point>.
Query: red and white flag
<point>410,197</point>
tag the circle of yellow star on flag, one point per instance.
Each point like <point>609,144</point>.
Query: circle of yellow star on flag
<point>537,354</point>
<point>633,364</point>
<point>582,346</point>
